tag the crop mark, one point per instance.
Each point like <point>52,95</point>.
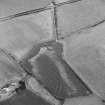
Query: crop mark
<point>67,2</point>
<point>88,27</point>
<point>37,10</point>
<point>24,13</point>
<point>55,20</point>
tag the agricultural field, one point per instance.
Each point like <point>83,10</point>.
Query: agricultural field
<point>52,52</point>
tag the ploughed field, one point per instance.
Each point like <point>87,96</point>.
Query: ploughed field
<point>52,52</point>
